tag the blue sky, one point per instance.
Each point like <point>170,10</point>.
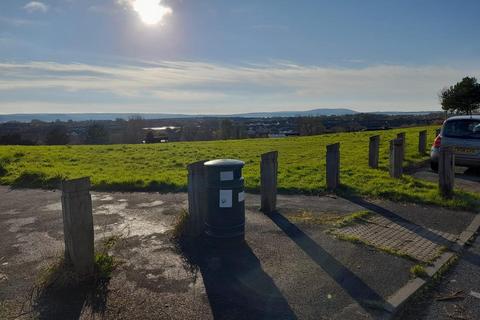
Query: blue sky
<point>225,56</point>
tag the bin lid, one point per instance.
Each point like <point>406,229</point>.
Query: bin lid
<point>224,163</point>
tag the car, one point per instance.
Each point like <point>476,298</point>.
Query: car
<point>463,133</point>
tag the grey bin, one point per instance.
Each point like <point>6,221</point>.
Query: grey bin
<point>225,218</point>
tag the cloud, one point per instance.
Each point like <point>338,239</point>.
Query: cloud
<point>151,12</point>
<point>205,87</point>
<point>36,6</point>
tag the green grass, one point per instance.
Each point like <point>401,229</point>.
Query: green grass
<point>353,218</point>
<point>419,271</point>
<point>162,167</point>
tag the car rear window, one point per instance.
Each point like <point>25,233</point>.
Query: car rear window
<point>466,128</point>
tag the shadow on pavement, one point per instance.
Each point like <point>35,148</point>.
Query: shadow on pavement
<point>236,285</point>
<point>59,300</point>
<point>351,283</point>
<point>407,224</point>
<point>471,257</point>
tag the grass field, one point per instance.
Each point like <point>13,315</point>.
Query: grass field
<point>162,167</point>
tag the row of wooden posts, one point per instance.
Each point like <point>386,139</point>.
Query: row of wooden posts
<point>77,202</point>
<point>269,173</point>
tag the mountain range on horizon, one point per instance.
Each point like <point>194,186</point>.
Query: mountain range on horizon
<point>50,117</point>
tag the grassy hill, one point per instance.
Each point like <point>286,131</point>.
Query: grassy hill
<point>162,167</point>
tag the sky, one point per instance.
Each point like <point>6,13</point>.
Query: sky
<point>227,56</point>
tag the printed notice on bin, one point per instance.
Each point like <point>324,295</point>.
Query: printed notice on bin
<point>226,175</point>
<point>225,199</point>
<point>241,196</point>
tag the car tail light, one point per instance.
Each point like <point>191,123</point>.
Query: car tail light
<point>437,142</point>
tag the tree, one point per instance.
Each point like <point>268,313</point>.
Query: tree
<point>58,135</point>
<point>134,132</point>
<point>226,129</point>
<point>463,97</point>
<point>96,134</point>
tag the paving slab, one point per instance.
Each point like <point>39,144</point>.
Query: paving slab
<point>463,278</point>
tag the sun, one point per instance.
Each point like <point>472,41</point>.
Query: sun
<point>151,12</point>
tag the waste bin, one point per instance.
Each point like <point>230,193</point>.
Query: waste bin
<point>225,218</point>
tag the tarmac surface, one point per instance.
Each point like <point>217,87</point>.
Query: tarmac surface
<point>290,267</point>
<point>457,296</point>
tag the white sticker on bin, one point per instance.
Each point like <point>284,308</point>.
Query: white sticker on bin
<point>241,196</point>
<point>226,175</point>
<point>225,199</point>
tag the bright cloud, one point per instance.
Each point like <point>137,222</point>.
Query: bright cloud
<point>36,6</point>
<point>206,87</point>
<point>151,12</point>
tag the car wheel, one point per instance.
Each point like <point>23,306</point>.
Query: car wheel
<point>434,166</point>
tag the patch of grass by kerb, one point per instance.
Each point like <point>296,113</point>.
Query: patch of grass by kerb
<point>353,218</point>
<point>333,219</point>
<point>309,217</point>
<point>419,271</point>
<point>162,167</point>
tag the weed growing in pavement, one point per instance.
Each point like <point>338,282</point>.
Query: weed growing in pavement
<point>180,224</point>
<point>353,218</point>
<point>418,271</point>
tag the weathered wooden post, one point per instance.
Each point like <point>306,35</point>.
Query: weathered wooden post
<point>373,151</point>
<point>197,199</point>
<point>268,181</point>
<point>422,141</point>
<point>396,160</point>
<point>401,136</point>
<point>446,171</point>
<point>333,166</point>
<point>78,225</point>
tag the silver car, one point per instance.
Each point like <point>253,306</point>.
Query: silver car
<point>463,133</point>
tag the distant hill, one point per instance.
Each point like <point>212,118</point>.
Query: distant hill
<point>49,117</point>
<point>308,113</point>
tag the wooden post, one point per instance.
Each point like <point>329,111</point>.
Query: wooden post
<point>446,171</point>
<point>268,181</point>
<point>373,151</point>
<point>422,141</point>
<point>333,166</point>
<point>396,160</point>
<point>78,225</point>
<point>197,199</point>
<point>402,137</point>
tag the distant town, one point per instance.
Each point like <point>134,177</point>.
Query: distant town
<point>138,129</point>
